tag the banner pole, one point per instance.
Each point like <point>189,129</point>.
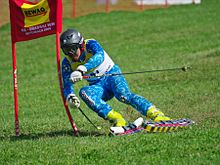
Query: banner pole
<point>15,83</point>
<point>142,5</point>
<point>61,86</point>
<point>74,8</point>
<point>107,6</point>
<point>166,2</point>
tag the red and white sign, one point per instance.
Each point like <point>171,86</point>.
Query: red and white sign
<point>33,20</point>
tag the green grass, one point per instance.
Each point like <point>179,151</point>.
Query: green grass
<point>155,39</point>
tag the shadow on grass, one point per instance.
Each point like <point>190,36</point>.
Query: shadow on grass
<point>51,135</point>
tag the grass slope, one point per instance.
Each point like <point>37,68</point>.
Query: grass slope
<point>137,41</point>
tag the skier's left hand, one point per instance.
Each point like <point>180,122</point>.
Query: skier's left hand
<point>73,101</point>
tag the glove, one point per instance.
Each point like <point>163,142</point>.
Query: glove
<point>73,101</point>
<point>76,76</point>
<point>82,69</point>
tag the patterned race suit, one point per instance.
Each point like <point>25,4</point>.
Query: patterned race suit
<point>100,90</point>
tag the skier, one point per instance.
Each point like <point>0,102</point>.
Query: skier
<point>86,57</point>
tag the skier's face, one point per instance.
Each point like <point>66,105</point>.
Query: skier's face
<point>75,56</point>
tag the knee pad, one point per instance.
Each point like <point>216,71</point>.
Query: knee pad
<point>84,94</point>
<point>125,98</point>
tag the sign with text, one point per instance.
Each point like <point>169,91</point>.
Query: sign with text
<point>33,20</point>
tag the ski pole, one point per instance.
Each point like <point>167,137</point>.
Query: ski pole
<point>97,127</point>
<point>184,68</point>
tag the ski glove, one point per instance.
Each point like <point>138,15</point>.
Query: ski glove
<point>78,74</point>
<point>73,101</point>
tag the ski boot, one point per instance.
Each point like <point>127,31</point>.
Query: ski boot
<point>116,118</point>
<point>156,115</point>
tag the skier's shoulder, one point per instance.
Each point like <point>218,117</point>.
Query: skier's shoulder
<point>91,41</point>
<point>67,61</point>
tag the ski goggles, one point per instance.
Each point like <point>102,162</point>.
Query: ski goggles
<point>70,50</point>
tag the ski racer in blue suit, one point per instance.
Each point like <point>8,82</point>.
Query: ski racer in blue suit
<point>86,57</point>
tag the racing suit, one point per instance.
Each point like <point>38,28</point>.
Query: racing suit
<point>100,89</point>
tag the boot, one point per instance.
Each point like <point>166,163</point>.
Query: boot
<point>116,118</point>
<point>156,115</point>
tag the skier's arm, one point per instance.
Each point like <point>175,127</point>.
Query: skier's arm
<point>93,47</point>
<point>67,84</point>
<point>68,89</point>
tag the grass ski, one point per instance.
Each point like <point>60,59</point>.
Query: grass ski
<point>131,128</point>
<point>151,126</point>
<point>167,126</point>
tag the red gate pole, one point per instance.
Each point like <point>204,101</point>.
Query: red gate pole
<point>107,6</point>
<point>142,5</point>
<point>15,83</point>
<point>61,86</point>
<point>166,2</point>
<point>74,8</point>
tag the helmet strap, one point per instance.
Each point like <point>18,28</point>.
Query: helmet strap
<point>82,46</point>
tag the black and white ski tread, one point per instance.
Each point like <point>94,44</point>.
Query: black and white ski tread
<point>167,126</point>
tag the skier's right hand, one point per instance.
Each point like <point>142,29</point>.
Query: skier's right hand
<point>76,76</point>
<point>73,101</point>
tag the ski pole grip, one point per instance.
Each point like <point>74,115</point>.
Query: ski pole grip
<point>86,77</point>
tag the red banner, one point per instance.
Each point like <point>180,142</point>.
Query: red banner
<point>33,20</point>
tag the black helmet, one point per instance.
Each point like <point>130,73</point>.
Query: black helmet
<point>70,41</point>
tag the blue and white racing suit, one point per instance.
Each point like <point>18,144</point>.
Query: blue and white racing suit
<point>100,90</point>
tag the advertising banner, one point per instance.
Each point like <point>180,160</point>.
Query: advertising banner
<point>33,20</point>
